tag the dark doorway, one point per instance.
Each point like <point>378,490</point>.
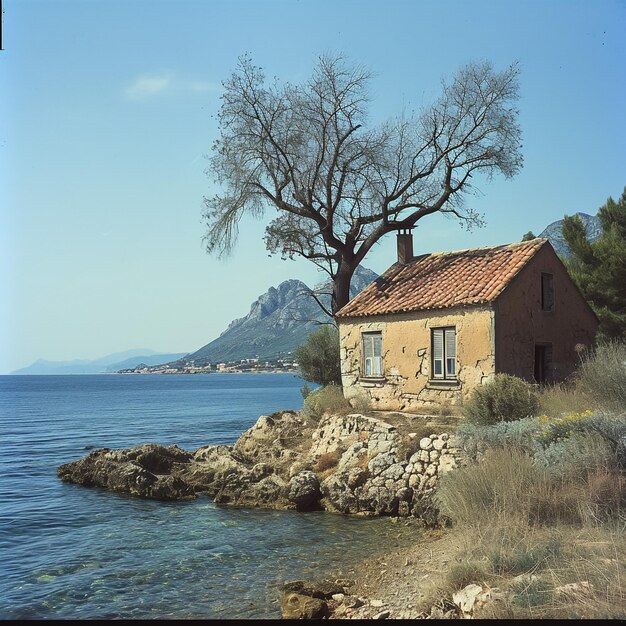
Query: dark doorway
<point>543,357</point>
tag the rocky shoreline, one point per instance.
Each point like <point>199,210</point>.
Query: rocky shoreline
<point>399,584</point>
<point>341,463</point>
<point>374,464</point>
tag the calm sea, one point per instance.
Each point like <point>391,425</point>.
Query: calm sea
<point>72,552</point>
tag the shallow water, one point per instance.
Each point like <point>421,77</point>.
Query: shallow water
<point>72,552</point>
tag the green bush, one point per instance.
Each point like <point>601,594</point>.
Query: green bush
<point>585,438</point>
<point>305,390</point>
<point>521,434</point>
<point>318,357</point>
<point>503,399</point>
<point>581,453</point>
<point>602,376</point>
<point>326,400</point>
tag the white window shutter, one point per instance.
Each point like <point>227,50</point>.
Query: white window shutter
<point>437,353</point>
<point>450,352</point>
<point>450,343</point>
<point>372,354</point>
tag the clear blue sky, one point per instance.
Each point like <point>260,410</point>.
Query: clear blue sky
<point>107,108</point>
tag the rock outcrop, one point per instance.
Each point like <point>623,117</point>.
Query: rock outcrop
<point>374,474</point>
<point>150,471</point>
<point>342,463</point>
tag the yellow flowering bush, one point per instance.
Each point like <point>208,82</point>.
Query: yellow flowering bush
<point>562,427</point>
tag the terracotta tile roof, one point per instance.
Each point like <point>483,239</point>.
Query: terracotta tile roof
<point>442,280</point>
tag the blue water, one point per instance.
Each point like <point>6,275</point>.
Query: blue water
<point>71,552</point>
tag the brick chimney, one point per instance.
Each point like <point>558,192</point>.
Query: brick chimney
<point>405,245</point>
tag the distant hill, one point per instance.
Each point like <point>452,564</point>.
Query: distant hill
<point>554,233</point>
<point>110,363</point>
<point>152,359</point>
<point>278,322</point>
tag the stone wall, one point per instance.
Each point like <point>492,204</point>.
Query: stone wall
<point>373,473</point>
<point>406,354</point>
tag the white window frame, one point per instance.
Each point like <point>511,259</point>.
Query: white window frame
<point>372,353</point>
<point>443,350</point>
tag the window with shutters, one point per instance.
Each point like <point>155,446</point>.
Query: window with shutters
<point>372,355</point>
<point>443,344</point>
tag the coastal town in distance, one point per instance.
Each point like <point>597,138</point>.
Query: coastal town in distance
<point>233,367</point>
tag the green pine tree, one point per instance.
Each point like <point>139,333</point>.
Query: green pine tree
<point>599,267</point>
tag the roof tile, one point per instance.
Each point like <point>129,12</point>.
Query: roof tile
<point>443,280</point>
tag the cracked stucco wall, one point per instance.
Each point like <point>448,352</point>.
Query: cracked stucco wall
<point>406,353</point>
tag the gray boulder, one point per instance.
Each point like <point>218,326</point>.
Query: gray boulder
<point>304,491</point>
<point>148,471</point>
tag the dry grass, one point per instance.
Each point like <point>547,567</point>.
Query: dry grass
<point>530,568</point>
<point>558,400</point>
<point>602,376</point>
<point>328,399</point>
<point>466,573</point>
<point>507,486</point>
<point>599,383</point>
<point>584,579</point>
<point>327,461</point>
<point>552,541</point>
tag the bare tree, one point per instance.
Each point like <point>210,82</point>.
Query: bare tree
<point>336,186</point>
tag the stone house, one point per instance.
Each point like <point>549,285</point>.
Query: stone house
<point>434,326</point>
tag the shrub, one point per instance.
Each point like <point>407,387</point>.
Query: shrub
<point>518,557</point>
<point>558,400</point>
<point>318,357</point>
<point>585,437</point>
<point>326,400</point>
<point>305,390</point>
<point>462,574</point>
<point>579,454</point>
<point>503,399</point>
<point>520,434</point>
<point>602,375</point>
<point>531,594</point>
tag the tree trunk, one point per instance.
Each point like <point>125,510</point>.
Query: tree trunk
<point>341,286</point>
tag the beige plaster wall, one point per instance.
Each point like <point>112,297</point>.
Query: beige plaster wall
<point>520,322</point>
<point>406,355</point>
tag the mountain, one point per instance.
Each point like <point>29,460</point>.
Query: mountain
<point>151,359</point>
<point>108,363</point>
<point>278,322</point>
<point>554,233</point>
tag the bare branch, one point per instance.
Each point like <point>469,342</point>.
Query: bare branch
<point>338,185</point>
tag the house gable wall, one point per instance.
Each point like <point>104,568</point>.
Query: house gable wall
<point>521,323</point>
<point>406,356</point>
